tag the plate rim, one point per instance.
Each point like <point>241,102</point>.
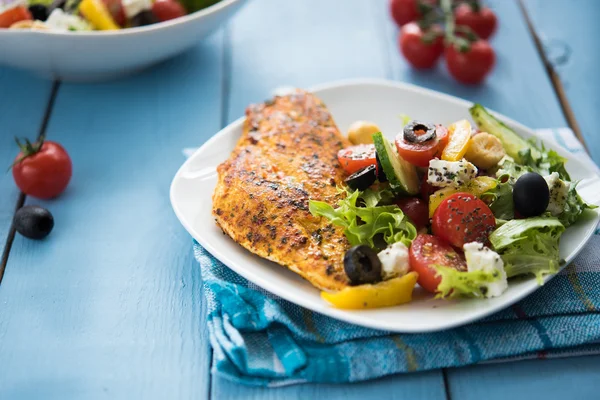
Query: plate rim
<point>348,315</point>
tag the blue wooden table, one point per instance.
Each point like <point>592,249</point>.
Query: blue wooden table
<point>110,305</point>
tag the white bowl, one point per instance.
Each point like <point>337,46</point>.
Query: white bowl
<point>100,55</point>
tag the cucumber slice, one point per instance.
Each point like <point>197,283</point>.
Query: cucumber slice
<point>401,174</point>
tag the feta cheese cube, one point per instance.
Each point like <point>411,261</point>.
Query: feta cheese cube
<point>559,191</point>
<point>394,260</point>
<point>450,173</point>
<point>481,258</point>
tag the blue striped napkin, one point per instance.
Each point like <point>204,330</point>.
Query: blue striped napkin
<point>262,340</point>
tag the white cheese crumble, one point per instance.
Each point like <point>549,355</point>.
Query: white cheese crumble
<point>559,190</point>
<point>62,21</point>
<point>481,258</point>
<point>134,7</point>
<point>443,173</point>
<point>394,260</point>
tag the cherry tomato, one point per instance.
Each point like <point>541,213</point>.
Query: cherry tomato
<point>115,7</point>
<point>42,171</point>
<point>12,15</point>
<point>427,251</point>
<point>404,11</point>
<point>482,21</point>
<point>473,65</point>
<point>417,154</point>
<point>419,52</point>
<point>167,9</point>
<point>357,157</point>
<point>463,218</point>
<point>416,210</point>
<point>441,133</point>
<point>426,189</point>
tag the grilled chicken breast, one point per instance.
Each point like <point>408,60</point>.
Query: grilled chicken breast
<point>287,155</point>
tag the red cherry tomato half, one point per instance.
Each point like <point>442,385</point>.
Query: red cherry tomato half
<point>44,174</point>
<point>167,9</point>
<point>463,218</point>
<point>441,132</point>
<point>415,47</point>
<point>482,21</point>
<point>115,8</point>
<point>357,157</point>
<point>416,210</point>
<point>473,65</point>
<point>404,11</point>
<point>16,14</point>
<point>417,154</point>
<point>427,251</point>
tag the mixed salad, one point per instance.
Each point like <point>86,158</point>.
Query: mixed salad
<point>458,210</point>
<point>86,15</point>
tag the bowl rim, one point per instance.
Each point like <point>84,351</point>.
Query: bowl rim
<point>215,8</point>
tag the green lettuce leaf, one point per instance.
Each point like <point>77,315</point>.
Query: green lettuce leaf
<point>500,199</point>
<point>529,246</point>
<point>574,207</point>
<point>365,221</point>
<point>456,283</point>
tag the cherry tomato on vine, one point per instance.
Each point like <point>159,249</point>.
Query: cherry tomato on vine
<point>421,49</point>
<point>12,15</point>
<point>404,11</point>
<point>481,20</point>
<point>167,9</point>
<point>471,65</point>
<point>42,169</point>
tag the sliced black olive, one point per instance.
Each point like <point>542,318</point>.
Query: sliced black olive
<point>363,178</point>
<point>39,12</point>
<point>33,222</point>
<point>531,195</point>
<point>380,172</point>
<point>362,265</point>
<point>144,18</point>
<point>419,132</point>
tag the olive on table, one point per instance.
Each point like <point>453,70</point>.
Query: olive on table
<point>419,132</point>
<point>33,222</point>
<point>362,179</point>
<point>362,265</point>
<point>531,195</point>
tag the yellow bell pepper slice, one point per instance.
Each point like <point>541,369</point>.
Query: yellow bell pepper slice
<point>383,294</point>
<point>477,187</point>
<point>98,15</point>
<point>459,135</point>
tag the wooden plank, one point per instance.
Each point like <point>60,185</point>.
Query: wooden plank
<point>23,101</point>
<point>567,378</point>
<point>568,32</point>
<point>302,44</point>
<point>109,306</point>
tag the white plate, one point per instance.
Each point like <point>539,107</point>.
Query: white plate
<point>101,55</point>
<point>382,102</point>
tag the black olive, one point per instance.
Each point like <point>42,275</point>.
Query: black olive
<point>39,11</point>
<point>381,177</point>
<point>362,265</point>
<point>363,178</point>
<point>419,132</point>
<point>33,222</point>
<point>531,195</point>
<point>143,18</point>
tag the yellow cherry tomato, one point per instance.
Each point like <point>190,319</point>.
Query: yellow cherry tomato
<point>477,187</point>
<point>383,294</point>
<point>98,15</point>
<point>459,135</point>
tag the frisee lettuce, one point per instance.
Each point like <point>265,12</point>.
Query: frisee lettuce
<point>574,207</point>
<point>456,283</point>
<point>500,199</point>
<point>365,220</point>
<point>529,246</point>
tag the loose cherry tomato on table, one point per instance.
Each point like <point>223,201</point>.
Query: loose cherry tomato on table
<point>404,11</point>
<point>421,49</point>
<point>416,210</point>
<point>463,218</point>
<point>42,169</point>
<point>481,20</point>
<point>167,9</point>
<point>425,252</point>
<point>115,8</point>
<point>12,15</point>
<point>470,65</point>
<point>355,158</point>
